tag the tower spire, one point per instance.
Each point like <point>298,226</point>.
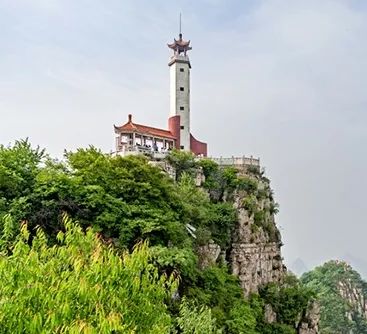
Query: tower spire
<point>180,33</point>
<point>180,46</point>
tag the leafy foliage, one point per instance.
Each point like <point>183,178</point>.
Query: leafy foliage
<point>183,162</point>
<point>194,320</point>
<point>220,291</point>
<point>81,285</point>
<point>100,276</point>
<point>289,301</point>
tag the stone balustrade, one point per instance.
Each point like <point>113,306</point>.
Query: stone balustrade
<point>237,161</point>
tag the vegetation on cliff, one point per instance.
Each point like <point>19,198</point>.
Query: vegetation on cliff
<point>342,295</point>
<point>119,206</point>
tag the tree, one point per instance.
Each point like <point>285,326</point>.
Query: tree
<point>182,162</point>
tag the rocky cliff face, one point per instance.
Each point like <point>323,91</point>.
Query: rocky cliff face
<point>355,297</point>
<point>309,323</point>
<point>256,255</point>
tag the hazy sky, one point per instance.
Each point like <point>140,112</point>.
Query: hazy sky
<point>284,80</point>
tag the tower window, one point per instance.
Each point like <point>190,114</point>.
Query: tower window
<point>182,127</point>
<point>182,89</point>
<point>182,108</point>
<point>182,70</point>
<point>182,147</point>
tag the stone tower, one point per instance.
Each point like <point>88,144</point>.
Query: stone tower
<point>179,65</point>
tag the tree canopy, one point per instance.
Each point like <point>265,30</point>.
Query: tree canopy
<point>103,244</point>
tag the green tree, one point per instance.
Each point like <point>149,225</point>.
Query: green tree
<point>182,162</point>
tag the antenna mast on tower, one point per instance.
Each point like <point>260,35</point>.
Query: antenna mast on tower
<point>180,25</point>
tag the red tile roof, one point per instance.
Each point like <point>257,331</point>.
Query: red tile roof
<point>144,129</point>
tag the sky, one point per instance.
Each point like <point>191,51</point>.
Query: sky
<point>283,80</point>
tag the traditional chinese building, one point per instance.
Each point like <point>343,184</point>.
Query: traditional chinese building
<point>134,138</point>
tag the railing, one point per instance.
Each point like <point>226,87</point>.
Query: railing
<point>136,149</point>
<point>237,161</point>
<point>233,161</point>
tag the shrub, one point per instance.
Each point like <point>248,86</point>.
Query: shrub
<point>250,204</point>
<point>247,184</point>
<point>242,319</point>
<point>259,217</point>
<point>195,320</point>
<point>81,285</point>
<point>182,162</point>
<point>274,208</point>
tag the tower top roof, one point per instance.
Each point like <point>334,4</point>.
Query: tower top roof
<point>179,45</point>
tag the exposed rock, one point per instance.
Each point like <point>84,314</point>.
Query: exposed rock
<point>355,297</point>
<point>269,315</point>
<point>255,256</point>
<point>208,254</point>
<point>310,321</point>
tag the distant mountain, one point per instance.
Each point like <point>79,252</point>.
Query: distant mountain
<point>298,267</point>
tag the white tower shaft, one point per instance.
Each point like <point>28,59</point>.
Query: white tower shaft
<point>180,96</point>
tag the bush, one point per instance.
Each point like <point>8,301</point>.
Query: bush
<point>259,218</point>
<point>247,184</point>
<point>274,208</point>
<point>81,285</point>
<point>242,319</point>
<point>183,162</point>
<point>195,320</point>
<point>221,222</point>
<point>250,204</point>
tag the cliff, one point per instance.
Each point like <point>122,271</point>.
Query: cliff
<point>255,247</point>
<point>256,255</point>
<point>254,251</point>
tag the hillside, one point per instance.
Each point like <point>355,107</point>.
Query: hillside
<point>342,296</point>
<point>209,237</point>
